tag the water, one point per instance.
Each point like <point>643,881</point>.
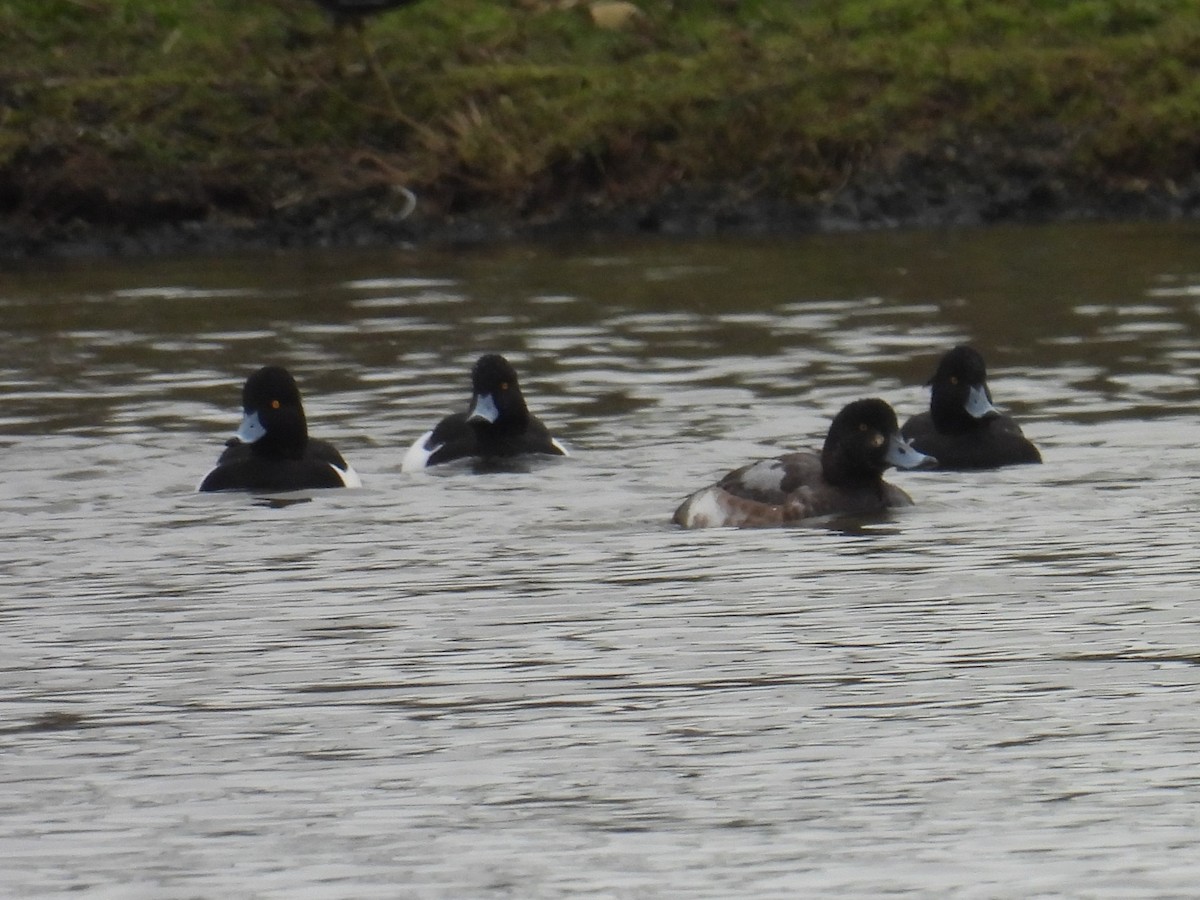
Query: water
<point>532,686</point>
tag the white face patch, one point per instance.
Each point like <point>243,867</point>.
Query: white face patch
<point>418,454</point>
<point>251,429</point>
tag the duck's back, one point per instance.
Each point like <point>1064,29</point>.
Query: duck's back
<point>253,473</point>
<point>321,451</point>
<point>781,491</point>
<point>452,438</point>
<point>455,438</point>
<point>997,441</point>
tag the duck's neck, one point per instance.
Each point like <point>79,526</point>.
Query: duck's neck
<point>950,416</point>
<point>841,471</point>
<point>285,440</point>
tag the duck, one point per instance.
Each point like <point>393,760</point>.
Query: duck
<point>271,450</point>
<point>496,427</point>
<point>962,428</point>
<point>846,478</point>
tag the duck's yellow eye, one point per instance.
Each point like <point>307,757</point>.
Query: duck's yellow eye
<point>274,404</point>
<point>862,426</point>
<point>954,379</point>
<point>504,385</point>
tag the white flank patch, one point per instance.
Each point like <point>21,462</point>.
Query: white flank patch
<point>560,447</point>
<point>418,454</point>
<point>349,477</point>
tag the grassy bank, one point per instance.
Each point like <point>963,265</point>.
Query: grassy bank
<point>130,113</point>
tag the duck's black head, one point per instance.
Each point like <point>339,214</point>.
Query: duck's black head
<point>960,399</point>
<point>863,441</point>
<point>274,423</point>
<point>497,404</point>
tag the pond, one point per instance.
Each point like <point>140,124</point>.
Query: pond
<point>533,685</point>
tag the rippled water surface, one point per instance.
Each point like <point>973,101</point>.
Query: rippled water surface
<point>531,685</point>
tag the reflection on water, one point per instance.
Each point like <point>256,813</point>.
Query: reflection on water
<point>531,685</point>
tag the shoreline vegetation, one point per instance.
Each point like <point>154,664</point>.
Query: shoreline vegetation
<point>148,126</point>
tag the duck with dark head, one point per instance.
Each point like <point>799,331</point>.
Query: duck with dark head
<point>845,479</point>
<point>497,426</point>
<point>272,450</point>
<point>962,428</point>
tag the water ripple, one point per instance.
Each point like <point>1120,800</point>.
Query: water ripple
<point>531,684</point>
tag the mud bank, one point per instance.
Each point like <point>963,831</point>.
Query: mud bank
<point>954,188</point>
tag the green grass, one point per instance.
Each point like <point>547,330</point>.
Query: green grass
<point>249,104</point>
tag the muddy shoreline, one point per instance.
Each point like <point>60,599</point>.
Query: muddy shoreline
<point>90,220</point>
